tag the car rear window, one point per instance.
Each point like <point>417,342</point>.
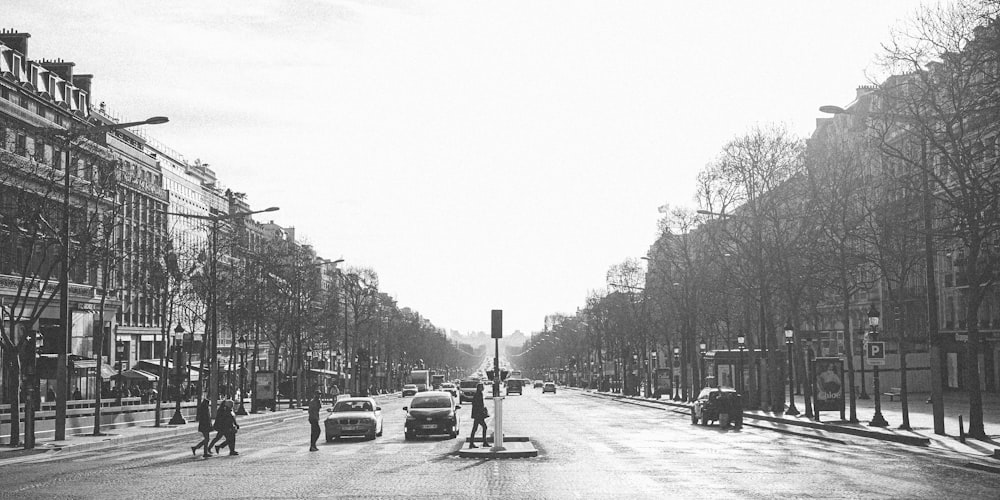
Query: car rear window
<point>431,402</point>
<point>469,384</point>
<point>353,406</point>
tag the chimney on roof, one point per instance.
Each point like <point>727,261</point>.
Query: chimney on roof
<point>83,82</point>
<point>15,40</point>
<point>62,68</point>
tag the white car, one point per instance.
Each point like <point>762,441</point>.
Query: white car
<point>354,417</point>
<point>450,388</point>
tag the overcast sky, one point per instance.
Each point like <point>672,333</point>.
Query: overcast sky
<point>477,155</point>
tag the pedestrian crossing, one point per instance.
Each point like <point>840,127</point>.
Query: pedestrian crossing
<point>122,455</point>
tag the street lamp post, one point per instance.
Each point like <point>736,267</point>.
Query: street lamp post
<point>677,380</point>
<point>213,334</point>
<point>864,386</point>
<point>64,347</point>
<point>702,350</point>
<point>653,369</point>
<point>789,341</point>
<point>741,343</point>
<point>242,410</point>
<point>178,375</point>
<point>878,420</point>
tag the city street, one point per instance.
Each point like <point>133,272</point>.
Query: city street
<point>589,447</point>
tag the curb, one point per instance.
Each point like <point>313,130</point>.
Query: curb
<point>897,438</point>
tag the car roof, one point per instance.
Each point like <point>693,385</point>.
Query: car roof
<point>432,393</point>
<point>357,398</point>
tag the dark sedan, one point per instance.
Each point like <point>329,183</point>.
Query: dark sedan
<point>432,412</point>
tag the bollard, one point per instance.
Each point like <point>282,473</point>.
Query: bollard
<point>961,430</point>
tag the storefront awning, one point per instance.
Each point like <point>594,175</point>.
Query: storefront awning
<point>107,372</point>
<point>138,375</point>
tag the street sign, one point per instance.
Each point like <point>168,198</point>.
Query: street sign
<point>875,354</point>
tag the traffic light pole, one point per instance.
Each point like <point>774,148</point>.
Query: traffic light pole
<point>497,400</point>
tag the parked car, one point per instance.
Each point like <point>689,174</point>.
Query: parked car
<point>537,384</point>
<point>549,387</point>
<point>718,404</point>
<point>431,412</point>
<point>450,389</point>
<point>354,417</point>
<point>409,390</point>
<point>515,385</point>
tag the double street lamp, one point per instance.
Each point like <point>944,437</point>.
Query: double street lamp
<point>65,318</point>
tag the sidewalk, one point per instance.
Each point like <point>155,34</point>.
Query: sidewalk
<point>920,416</point>
<point>147,432</point>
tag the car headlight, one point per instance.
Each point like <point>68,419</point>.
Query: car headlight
<point>409,417</point>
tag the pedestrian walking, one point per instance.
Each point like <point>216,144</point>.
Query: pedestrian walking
<point>205,428</point>
<point>226,427</point>
<point>314,406</point>
<point>479,416</point>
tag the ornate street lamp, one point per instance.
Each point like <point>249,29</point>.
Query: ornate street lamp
<point>653,369</point>
<point>702,349</point>
<point>677,380</point>
<point>789,341</point>
<point>242,410</point>
<point>178,375</point>
<point>878,420</point>
<point>741,343</point>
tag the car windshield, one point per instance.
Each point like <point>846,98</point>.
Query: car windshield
<point>409,386</point>
<point>469,384</point>
<point>448,386</point>
<point>353,406</point>
<point>431,402</point>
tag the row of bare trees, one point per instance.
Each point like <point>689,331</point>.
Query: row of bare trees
<point>800,231</point>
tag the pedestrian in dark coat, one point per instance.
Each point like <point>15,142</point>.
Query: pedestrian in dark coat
<point>479,415</point>
<point>225,424</point>
<point>205,428</point>
<point>314,406</point>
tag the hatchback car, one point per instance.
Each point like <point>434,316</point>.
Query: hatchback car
<point>537,384</point>
<point>354,417</point>
<point>718,404</point>
<point>549,387</point>
<point>432,412</point>
<point>409,390</point>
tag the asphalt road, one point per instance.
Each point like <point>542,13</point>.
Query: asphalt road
<point>589,447</point>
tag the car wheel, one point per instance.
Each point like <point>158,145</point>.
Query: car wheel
<point>704,418</point>
<point>329,438</point>
<point>408,436</point>
<point>724,420</point>
<point>370,436</point>
<point>694,417</point>
<point>379,433</point>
